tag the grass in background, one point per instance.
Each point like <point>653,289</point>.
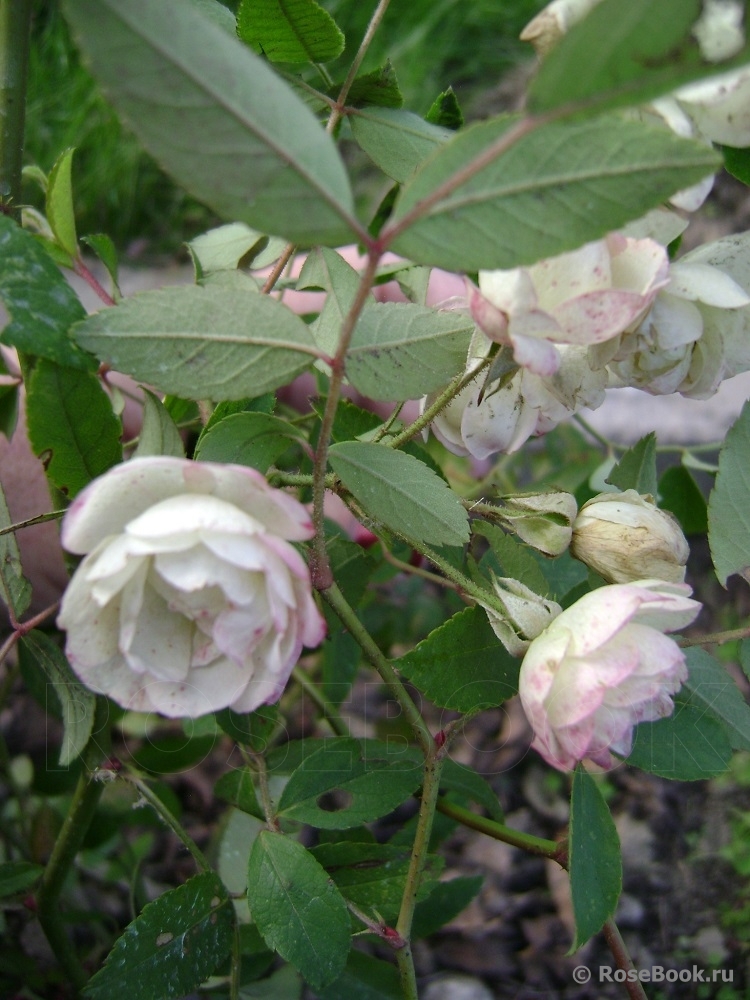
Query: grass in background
<point>121,191</point>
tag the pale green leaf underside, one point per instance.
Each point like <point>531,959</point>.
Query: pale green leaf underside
<point>397,141</point>
<point>77,703</point>
<point>198,342</point>
<point>401,492</point>
<point>729,503</point>
<point>159,434</point>
<point>556,188</point>
<point>711,685</point>
<point>59,203</point>
<point>15,589</point>
<point>217,118</point>
<point>292,31</point>
<point>624,54</point>
<point>402,351</point>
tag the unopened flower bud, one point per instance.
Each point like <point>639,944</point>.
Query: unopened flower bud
<point>625,537</point>
<point>527,614</point>
<point>542,520</point>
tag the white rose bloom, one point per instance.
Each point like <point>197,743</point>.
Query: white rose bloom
<point>602,666</point>
<point>510,411</point>
<point>581,298</point>
<point>696,333</point>
<point>190,597</point>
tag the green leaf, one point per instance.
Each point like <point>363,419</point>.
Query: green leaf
<point>737,162</point>
<point>77,703</point>
<point>745,657</point>
<point>159,434</point>
<point>252,729</point>
<point>254,439</point>
<point>595,863</point>
<point>238,788</point>
<point>378,89</point>
<point>225,247</point>
<point>8,409</point>
<point>403,351</point>
<point>468,784</point>
<point>401,492</point>
<point>15,589</point>
<point>622,55</point>
<point>557,187</point>
<point>512,558</point>
<point>636,470</point>
<point>444,903</point>
<point>173,753</point>
<point>172,947</point>
<point>41,303</point>
<point>201,342</point>
<point>59,206</point>
<point>297,909</point>
<point>17,876</point>
<point>729,503</point>
<point>355,786</point>
<point>680,494</point>
<point>328,270</point>
<point>690,745</point>
<point>105,250</point>
<point>396,141</point>
<point>256,154</point>
<point>372,876</point>
<point>445,111</point>
<point>292,31</point>
<point>710,685</point>
<point>462,665</point>
<point>71,425</point>
<point>365,978</point>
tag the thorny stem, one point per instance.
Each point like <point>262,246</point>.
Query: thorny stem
<point>259,763</point>
<point>320,568</point>
<point>53,515</point>
<point>170,820</point>
<point>425,574</point>
<point>333,596</point>
<point>329,710</point>
<point>372,27</point>
<point>622,959</point>
<point>730,635</point>
<point>498,831</point>
<point>83,272</point>
<point>278,268</point>
<point>22,628</point>
<point>85,799</point>
<point>425,419</point>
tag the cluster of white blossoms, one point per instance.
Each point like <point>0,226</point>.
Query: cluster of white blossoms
<point>616,312</point>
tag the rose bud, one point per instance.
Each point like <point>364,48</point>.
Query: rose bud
<point>625,536</point>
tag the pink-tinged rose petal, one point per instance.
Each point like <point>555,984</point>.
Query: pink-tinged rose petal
<point>192,598</point>
<point>601,667</point>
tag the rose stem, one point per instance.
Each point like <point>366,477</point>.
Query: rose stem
<point>622,959</point>
<point>171,821</point>
<point>333,596</point>
<point>75,825</point>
